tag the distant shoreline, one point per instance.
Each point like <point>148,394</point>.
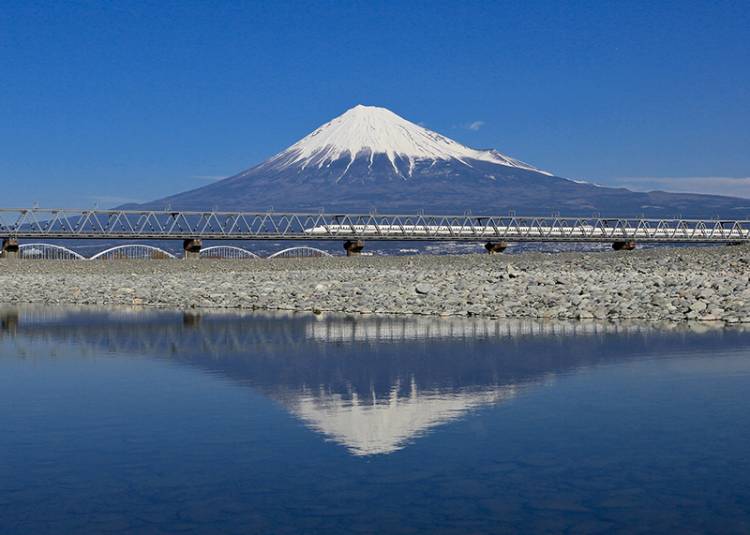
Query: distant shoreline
<point>665,284</point>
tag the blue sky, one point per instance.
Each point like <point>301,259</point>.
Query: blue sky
<point>106,102</point>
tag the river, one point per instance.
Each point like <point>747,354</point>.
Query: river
<point>126,421</point>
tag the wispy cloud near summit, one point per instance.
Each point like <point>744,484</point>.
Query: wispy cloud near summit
<point>476,125</point>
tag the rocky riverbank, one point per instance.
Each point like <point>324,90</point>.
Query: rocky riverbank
<point>703,284</point>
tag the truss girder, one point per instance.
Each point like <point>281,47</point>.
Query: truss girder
<point>158,225</point>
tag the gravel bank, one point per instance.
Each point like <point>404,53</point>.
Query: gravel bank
<point>704,284</point>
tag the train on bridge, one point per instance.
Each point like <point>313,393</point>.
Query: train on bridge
<point>194,227</point>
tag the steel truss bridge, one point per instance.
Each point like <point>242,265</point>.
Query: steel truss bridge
<point>192,226</point>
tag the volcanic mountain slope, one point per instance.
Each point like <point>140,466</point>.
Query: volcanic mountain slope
<point>370,159</point>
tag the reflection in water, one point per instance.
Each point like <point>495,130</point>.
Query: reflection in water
<point>400,330</point>
<point>368,426</point>
<point>161,422</point>
<point>362,395</point>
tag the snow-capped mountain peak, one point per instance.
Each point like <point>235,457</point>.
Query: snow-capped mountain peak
<point>371,160</point>
<point>365,131</point>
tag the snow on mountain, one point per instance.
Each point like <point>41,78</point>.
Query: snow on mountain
<point>370,130</point>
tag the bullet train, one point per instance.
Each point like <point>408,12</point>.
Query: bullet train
<point>520,231</point>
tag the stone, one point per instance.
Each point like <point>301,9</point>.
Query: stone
<point>424,289</point>
<point>511,271</point>
<point>706,293</point>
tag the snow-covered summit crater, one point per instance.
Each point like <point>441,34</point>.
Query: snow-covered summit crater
<point>365,131</point>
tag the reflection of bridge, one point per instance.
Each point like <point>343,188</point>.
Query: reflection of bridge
<point>232,333</point>
<point>495,231</point>
<point>157,333</point>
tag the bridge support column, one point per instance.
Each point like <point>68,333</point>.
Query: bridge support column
<point>353,247</point>
<point>494,247</point>
<point>10,248</point>
<point>628,245</point>
<point>192,248</point>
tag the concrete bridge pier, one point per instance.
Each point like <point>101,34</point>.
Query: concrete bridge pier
<point>495,247</point>
<point>10,248</point>
<point>628,245</point>
<point>353,247</point>
<point>192,248</point>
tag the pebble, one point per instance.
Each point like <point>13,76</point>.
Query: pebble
<point>424,288</point>
<point>659,284</point>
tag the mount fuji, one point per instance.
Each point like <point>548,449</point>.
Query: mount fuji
<point>370,159</point>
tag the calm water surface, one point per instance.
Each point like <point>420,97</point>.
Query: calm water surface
<point>115,422</point>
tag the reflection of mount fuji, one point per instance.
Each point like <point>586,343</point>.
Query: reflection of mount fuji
<point>372,385</point>
<point>368,425</point>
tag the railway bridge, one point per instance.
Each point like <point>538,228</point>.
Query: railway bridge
<point>192,228</point>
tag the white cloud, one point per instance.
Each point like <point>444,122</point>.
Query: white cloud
<point>716,185</point>
<point>473,126</point>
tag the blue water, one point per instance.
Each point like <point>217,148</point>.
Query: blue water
<point>133,422</point>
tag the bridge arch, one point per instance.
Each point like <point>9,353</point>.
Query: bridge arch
<point>299,252</point>
<point>227,252</point>
<point>47,251</point>
<point>133,251</point>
